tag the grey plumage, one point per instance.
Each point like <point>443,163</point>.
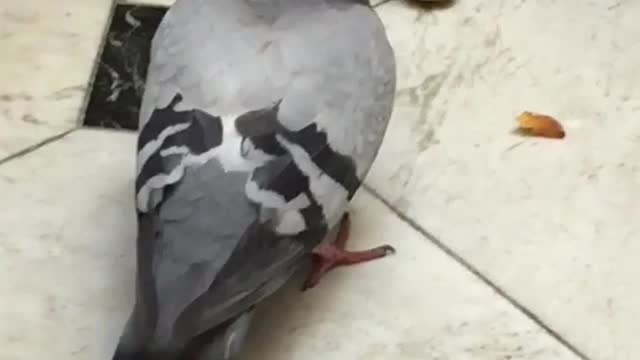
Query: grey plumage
<point>260,119</point>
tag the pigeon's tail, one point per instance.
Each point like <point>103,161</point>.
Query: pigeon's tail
<point>223,342</point>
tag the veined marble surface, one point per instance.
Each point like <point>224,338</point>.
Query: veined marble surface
<point>68,259</point>
<point>115,98</point>
<point>48,54</point>
<point>554,223</point>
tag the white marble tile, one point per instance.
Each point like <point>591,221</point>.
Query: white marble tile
<point>419,304</point>
<point>49,48</point>
<point>65,247</point>
<point>66,255</point>
<point>553,222</point>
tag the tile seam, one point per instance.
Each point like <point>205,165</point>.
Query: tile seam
<point>36,146</point>
<point>477,273</point>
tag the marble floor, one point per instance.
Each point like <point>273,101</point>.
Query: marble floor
<point>509,247</point>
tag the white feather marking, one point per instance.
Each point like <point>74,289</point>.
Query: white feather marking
<point>250,151</point>
<point>273,200</point>
<point>227,153</point>
<point>331,196</point>
<point>290,220</point>
<point>299,202</point>
<point>229,345</point>
<point>162,180</point>
<point>291,223</point>
<point>152,146</point>
<point>174,150</point>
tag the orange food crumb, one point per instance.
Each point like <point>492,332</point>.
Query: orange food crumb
<point>540,125</point>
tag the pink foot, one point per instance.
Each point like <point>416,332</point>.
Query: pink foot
<point>328,256</point>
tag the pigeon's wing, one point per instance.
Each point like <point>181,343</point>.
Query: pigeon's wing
<point>212,241</point>
<point>241,172</point>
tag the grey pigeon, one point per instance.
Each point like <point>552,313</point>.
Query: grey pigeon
<point>259,120</point>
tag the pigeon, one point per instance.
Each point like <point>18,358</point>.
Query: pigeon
<point>258,123</point>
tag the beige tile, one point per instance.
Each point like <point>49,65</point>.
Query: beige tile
<point>65,247</point>
<point>553,222</point>
<point>49,48</point>
<point>66,251</point>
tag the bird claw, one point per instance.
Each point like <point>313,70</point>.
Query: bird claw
<point>328,256</point>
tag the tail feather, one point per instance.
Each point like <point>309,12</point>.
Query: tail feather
<point>223,342</point>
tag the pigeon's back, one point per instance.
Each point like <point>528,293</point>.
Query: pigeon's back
<point>259,120</point>
<point>327,61</point>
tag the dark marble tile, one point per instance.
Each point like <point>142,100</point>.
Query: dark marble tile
<point>117,90</point>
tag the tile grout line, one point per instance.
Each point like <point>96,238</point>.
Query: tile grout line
<point>464,263</point>
<point>36,146</point>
